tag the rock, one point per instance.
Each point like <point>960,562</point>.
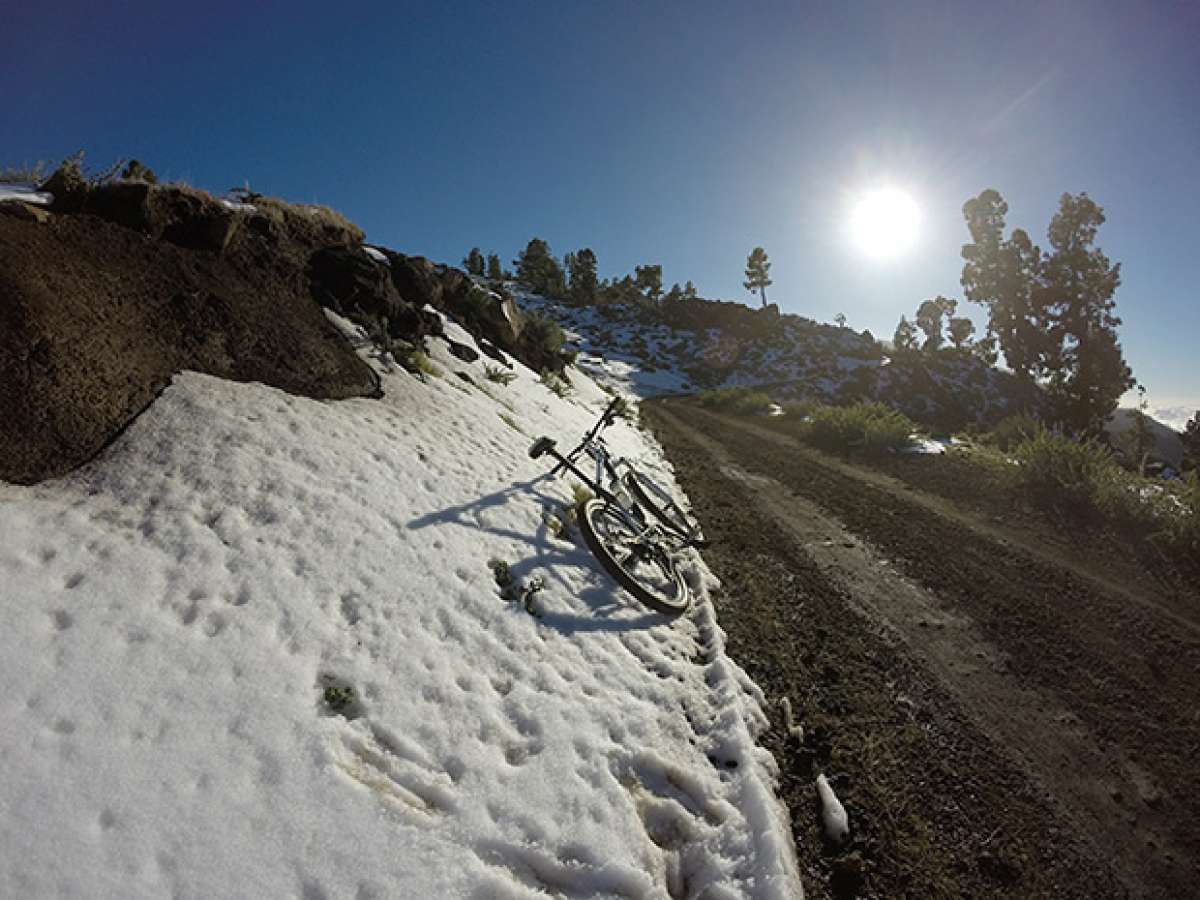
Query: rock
<point>416,280</point>
<point>462,351</point>
<point>502,320</point>
<point>183,216</point>
<point>95,321</point>
<point>350,283</point>
<point>27,211</point>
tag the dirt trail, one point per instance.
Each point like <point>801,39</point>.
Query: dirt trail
<point>1044,714</point>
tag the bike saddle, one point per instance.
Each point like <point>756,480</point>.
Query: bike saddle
<point>540,446</point>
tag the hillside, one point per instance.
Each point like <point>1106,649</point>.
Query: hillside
<point>259,644</point>
<point>730,345</point>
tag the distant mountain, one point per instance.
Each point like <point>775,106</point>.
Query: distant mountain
<point>1168,447</point>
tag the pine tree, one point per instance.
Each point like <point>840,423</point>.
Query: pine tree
<point>1003,275</point>
<point>1191,442</point>
<point>929,319</point>
<point>905,338</point>
<point>581,272</point>
<point>961,330</point>
<point>1088,370</point>
<point>473,262</point>
<point>649,281</point>
<point>539,271</point>
<point>494,272</point>
<point>757,269</point>
<point>1052,314</point>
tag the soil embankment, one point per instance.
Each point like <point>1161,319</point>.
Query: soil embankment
<point>1004,720</point>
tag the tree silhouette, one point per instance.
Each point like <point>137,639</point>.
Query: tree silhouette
<point>905,338</point>
<point>757,269</point>
<point>494,272</point>
<point>474,262</point>
<point>581,273</point>
<point>961,330</point>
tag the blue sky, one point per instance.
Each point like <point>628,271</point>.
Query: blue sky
<point>674,133</point>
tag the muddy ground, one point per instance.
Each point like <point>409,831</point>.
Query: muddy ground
<point>1003,711</point>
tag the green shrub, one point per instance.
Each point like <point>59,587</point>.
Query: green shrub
<point>1069,475</point>
<point>417,363</point>
<point>740,401</point>
<point>542,342</point>
<point>1012,430</point>
<point>872,427</point>
<point>499,375</point>
<point>557,384</point>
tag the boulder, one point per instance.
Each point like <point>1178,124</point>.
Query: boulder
<point>416,279</point>
<point>502,321</point>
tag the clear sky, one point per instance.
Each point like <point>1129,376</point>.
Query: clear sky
<point>660,132</point>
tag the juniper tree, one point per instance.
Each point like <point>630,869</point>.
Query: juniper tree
<point>757,269</point>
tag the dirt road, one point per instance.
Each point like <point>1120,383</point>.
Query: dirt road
<point>999,717</point>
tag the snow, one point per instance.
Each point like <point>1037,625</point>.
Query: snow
<point>238,206</point>
<point>376,254</point>
<point>178,613</point>
<point>26,193</point>
<point>833,814</point>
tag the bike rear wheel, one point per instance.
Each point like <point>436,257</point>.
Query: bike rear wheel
<point>640,565</point>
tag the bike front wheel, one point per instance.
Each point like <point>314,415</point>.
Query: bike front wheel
<point>638,563</point>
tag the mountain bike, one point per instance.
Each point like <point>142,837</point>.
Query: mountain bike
<point>633,526</point>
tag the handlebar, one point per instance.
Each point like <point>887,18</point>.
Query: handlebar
<point>606,418</point>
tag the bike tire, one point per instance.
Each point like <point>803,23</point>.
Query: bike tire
<point>665,592</point>
<point>648,500</point>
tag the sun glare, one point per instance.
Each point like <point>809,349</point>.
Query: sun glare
<point>884,223</point>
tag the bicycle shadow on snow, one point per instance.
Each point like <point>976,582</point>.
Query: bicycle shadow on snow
<point>609,604</point>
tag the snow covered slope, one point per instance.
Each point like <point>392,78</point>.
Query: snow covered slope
<point>183,615</point>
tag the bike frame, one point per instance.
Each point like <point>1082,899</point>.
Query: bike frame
<point>593,445</point>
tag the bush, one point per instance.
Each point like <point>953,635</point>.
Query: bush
<point>873,427</point>
<point>541,343</point>
<point>557,384</point>
<point>1181,527</point>
<point>739,400</point>
<point>499,376</point>
<point>1073,476</point>
<point>1012,430</point>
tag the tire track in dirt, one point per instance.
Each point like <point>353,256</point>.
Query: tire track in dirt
<point>1078,729</point>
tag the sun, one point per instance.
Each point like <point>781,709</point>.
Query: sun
<point>884,223</point>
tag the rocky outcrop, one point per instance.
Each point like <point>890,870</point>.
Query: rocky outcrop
<point>351,283</point>
<point>95,320</point>
<point>185,217</point>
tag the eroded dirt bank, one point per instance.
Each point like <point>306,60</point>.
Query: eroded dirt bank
<point>1002,723</point>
